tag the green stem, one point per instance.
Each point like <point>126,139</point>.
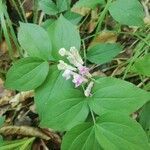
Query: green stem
<point>138,51</point>
<point>102,16</point>
<point>93,117</point>
<point>15,5</point>
<point>84,51</point>
<point>22,9</point>
<point>13,33</point>
<point>35,12</point>
<point>7,38</point>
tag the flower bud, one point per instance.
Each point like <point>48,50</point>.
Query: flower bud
<point>76,55</point>
<point>87,92</point>
<point>62,51</point>
<point>67,74</point>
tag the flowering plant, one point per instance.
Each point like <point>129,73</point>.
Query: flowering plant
<point>92,112</point>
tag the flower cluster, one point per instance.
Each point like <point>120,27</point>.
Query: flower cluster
<point>76,70</point>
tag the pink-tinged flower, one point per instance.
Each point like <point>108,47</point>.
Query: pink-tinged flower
<point>78,79</point>
<point>67,74</point>
<point>83,70</point>
<point>87,92</point>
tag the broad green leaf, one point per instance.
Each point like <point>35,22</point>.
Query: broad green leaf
<point>102,53</point>
<point>88,3</point>
<point>63,5</point>
<point>110,132</point>
<point>74,18</point>
<point>23,144</point>
<point>115,95</point>
<point>48,7</point>
<point>35,40</point>
<point>127,12</point>
<point>59,104</point>
<point>27,74</point>
<point>142,65</point>
<point>144,117</point>
<point>63,34</point>
<point>109,95</point>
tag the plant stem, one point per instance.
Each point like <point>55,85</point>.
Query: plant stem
<point>93,117</point>
<point>84,51</point>
<point>15,5</point>
<point>35,12</point>
<point>138,51</point>
<point>102,16</point>
<point>22,9</point>
<point>13,33</point>
<point>5,31</point>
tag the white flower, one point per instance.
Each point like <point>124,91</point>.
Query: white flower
<point>87,92</point>
<point>67,74</point>
<point>76,55</point>
<point>73,61</point>
<point>64,66</point>
<point>62,51</point>
<point>76,70</point>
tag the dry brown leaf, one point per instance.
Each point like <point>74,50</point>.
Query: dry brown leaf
<point>23,130</point>
<point>93,22</point>
<point>20,97</point>
<point>4,109</point>
<point>3,47</point>
<point>99,73</point>
<point>14,100</point>
<point>82,11</point>
<point>104,37</point>
<point>39,144</point>
<point>147,20</point>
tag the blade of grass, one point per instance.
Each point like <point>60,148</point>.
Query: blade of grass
<point>18,11</point>
<point>23,12</point>
<point>139,49</point>
<point>12,32</point>
<point>7,38</point>
<point>35,12</point>
<point>102,16</point>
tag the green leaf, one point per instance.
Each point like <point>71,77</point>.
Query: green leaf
<point>74,18</point>
<point>109,95</point>
<point>127,12</point>
<point>88,3</point>
<point>59,104</point>
<point>144,117</point>
<point>111,132</point>
<point>35,40</point>
<point>142,65</point>
<point>63,5</point>
<point>27,74</point>
<point>48,7</point>
<point>115,95</point>
<point>23,144</point>
<point>102,53</point>
<point>63,34</point>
